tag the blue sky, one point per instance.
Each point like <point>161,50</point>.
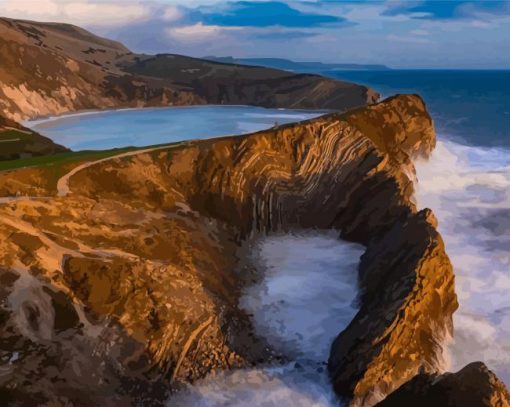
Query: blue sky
<point>398,33</point>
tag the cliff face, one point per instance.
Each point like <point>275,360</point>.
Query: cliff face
<point>141,261</point>
<point>51,68</point>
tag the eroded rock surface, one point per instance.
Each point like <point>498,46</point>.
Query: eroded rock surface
<point>140,265</point>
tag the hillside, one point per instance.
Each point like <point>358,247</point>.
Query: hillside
<point>17,141</point>
<point>50,68</point>
<point>289,65</point>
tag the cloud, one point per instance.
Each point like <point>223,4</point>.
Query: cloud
<point>96,13</point>
<point>448,10</point>
<point>172,13</point>
<point>264,14</point>
<point>419,32</point>
<point>198,32</point>
<point>28,8</point>
<point>281,35</point>
<point>103,13</point>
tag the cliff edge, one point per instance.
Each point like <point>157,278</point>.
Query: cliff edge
<point>132,277</point>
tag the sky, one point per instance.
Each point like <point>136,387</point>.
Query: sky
<point>397,33</point>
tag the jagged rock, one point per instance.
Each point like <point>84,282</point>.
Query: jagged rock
<point>148,249</point>
<point>473,386</point>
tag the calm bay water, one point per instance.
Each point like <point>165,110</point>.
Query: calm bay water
<point>143,127</point>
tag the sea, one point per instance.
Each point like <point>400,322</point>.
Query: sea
<point>466,182</point>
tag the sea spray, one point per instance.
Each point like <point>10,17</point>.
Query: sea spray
<point>306,295</point>
<point>469,190</point>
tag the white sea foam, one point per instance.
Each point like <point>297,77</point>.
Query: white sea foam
<point>469,190</point>
<point>305,298</point>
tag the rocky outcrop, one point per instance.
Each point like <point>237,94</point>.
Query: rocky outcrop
<point>144,259</point>
<point>407,300</point>
<point>50,68</point>
<point>17,141</point>
<point>473,386</point>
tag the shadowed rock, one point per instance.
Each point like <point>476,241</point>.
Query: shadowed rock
<point>473,386</point>
<point>148,249</point>
<point>17,141</point>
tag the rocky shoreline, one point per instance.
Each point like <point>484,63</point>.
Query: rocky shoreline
<point>136,265</point>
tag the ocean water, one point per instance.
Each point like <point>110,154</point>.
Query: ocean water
<point>467,184</point>
<point>470,107</point>
<point>306,296</point>
<point>143,127</point>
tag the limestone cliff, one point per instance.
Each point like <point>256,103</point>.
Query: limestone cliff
<point>50,68</point>
<point>139,265</point>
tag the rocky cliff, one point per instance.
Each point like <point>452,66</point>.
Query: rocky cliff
<point>50,68</point>
<point>129,284</point>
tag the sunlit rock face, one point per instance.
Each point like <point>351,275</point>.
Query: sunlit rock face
<point>149,252</point>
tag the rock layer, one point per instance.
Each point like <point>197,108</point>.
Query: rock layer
<point>50,68</point>
<point>141,264</point>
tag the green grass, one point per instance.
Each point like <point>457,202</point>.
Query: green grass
<point>15,134</point>
<point>60,159</point>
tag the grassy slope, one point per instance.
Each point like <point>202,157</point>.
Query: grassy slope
<point>38,176</point>
<point>62,158</point>
<point>17,142</point>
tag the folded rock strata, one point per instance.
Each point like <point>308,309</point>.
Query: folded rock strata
<point>140,265</point>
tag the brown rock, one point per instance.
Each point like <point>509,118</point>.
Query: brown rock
<point>148,249</point>
<point>473,386</point>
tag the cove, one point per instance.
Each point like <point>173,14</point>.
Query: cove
<point>304,297</point>
<point>149,126</point>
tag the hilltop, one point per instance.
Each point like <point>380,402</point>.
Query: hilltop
<point>53,68</point>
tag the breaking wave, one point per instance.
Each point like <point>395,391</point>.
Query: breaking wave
<point>306,296</point>
<point>469,190</point>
